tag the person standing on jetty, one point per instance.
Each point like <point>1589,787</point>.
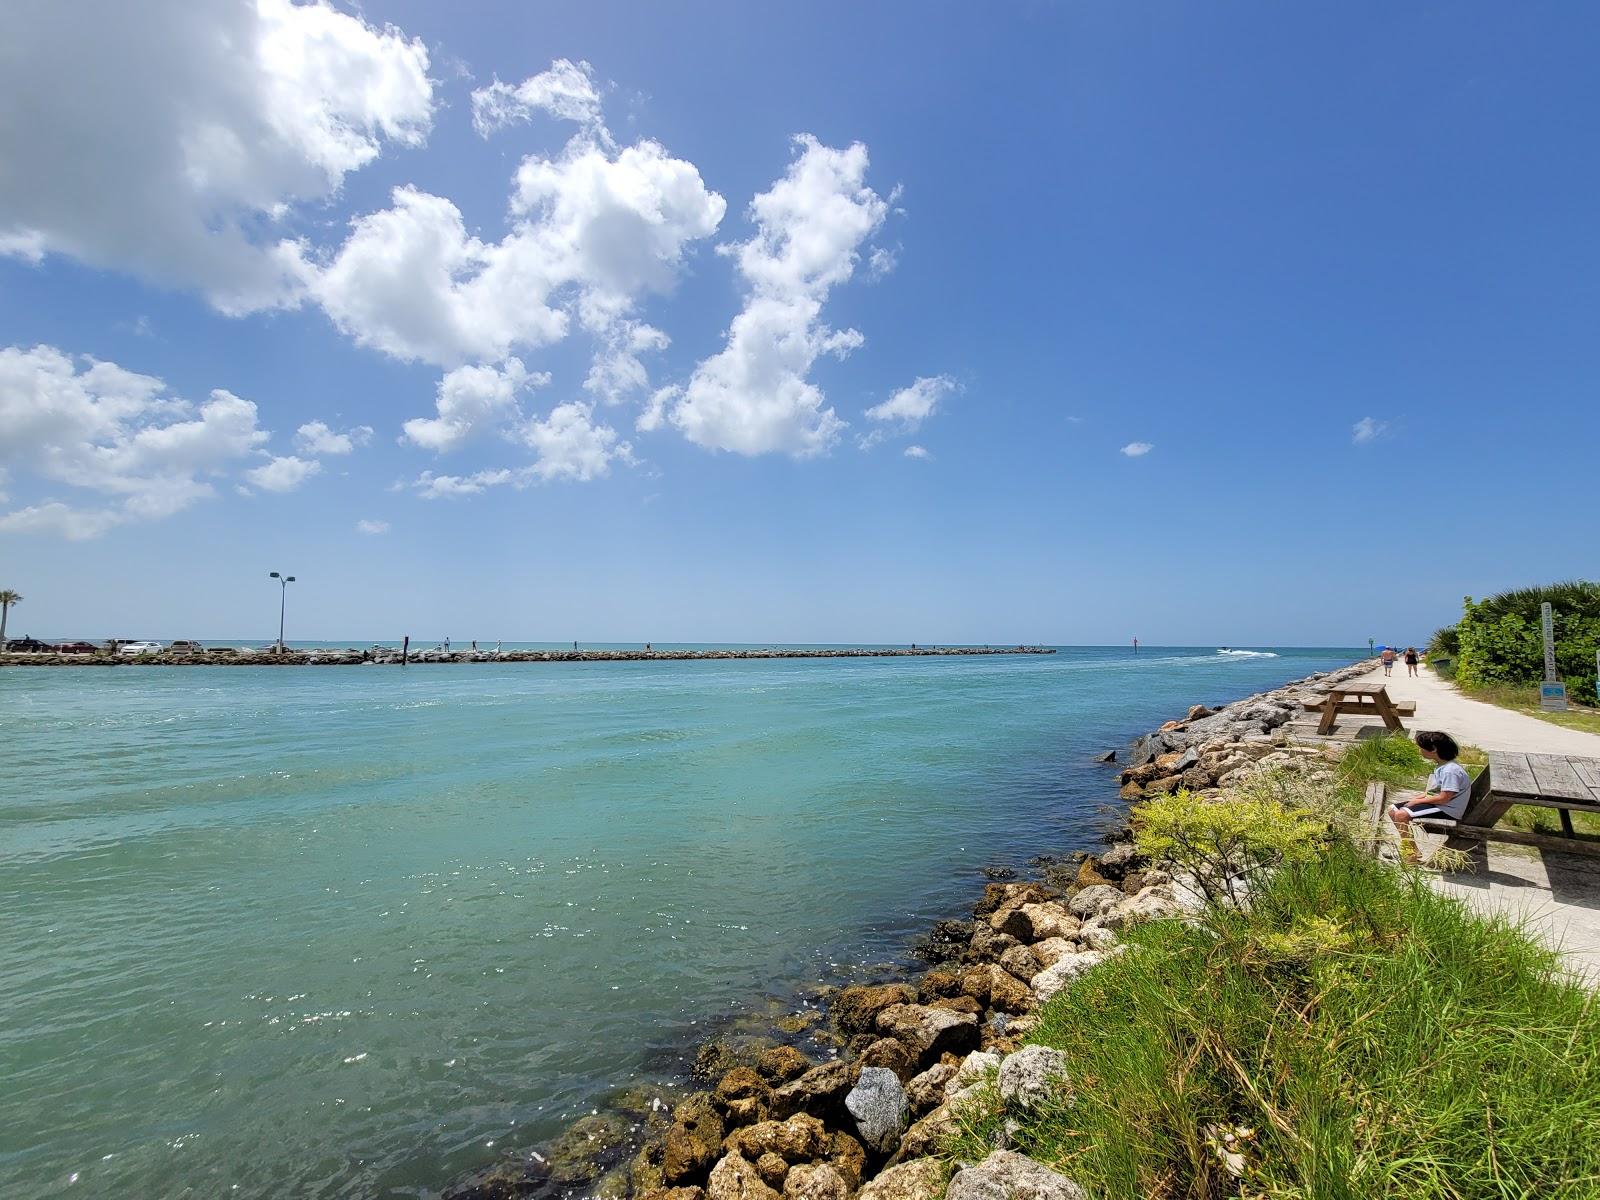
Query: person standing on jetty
<point>1449,788</point>
<point>1388,659</point>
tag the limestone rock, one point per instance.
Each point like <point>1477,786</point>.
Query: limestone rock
<point>942,981</point>
<point>1092,901</point>
<point>929,1031</point>
<point>958,1004</point>
<point>741,1096</point>
<point>846,1156</point>
<point>1067,968</point>
<point>1007,993</point>
<point>972,1070</point>
<point>772,1168</point>
<point>693,1141</point>
<point>975,983</point>
<point>1002,895</point>
<point>815,1181</point>
<point>1152,904</point>
<point>735,1178</point>
<point>988,944</point>
<point>1032,1074</point>
<point>1007,1175</point>
<point>1048,920</point>
<point>800,1138</point>
<point>855,1009</point>
<point>926,1090</point>
<point>1110,756</point>
<point>820,1091</point>
<point>926,1135</point>
<point>921,1179</point>
<point>879,1105</point>
<point>1010,921</point>
<point>1119,860</point>
<point>1049,951</point>
<point>1089,873</point>
<point>673,1193</point>
<point>1096,936</point>
<point>1131,791</point>
<point>891,1054</point>
<point>780,1064</point>
<point>1021,962</point>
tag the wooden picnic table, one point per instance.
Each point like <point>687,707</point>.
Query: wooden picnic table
<point>1563,782</point>
<point>1361,699</point>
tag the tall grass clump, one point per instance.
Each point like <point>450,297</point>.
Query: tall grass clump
<point>1352,1034</point>
<point>1346,1033</point>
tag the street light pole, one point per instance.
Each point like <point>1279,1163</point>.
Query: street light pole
<point>283,595</point>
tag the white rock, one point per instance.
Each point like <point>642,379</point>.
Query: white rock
<point>1032,1074</point>
<point>1007,1175</point>
<point>1069,967</point>
<point>972,1070</point>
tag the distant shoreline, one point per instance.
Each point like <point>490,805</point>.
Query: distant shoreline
<point>432,655</point>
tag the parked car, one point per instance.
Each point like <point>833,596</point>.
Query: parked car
<point>224,650</point>
<point>185,647</point>
<point>78,648</point>
<point>28,645</point>
<point>134,649</point>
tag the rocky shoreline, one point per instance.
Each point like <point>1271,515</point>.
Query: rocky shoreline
<point>390,657</point>
<point>907,1059</point>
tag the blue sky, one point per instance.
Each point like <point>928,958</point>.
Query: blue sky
<point>1335,266</point>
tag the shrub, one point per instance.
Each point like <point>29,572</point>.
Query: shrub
<point>1354,1034</point>
<point>1227,841</point>
<point>1501,643</point>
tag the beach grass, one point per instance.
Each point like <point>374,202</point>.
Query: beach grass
<point>1347,1032</point>
<point>1524,698</point>
<point>1352,1034</point>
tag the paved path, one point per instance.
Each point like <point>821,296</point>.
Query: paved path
<point>1554,895</point>
<point>1474,723</point>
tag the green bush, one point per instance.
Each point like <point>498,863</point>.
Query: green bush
<point>1501,643</point>
<point>1353,1034</point>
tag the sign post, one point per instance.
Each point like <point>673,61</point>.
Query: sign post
<point>1552,692</point>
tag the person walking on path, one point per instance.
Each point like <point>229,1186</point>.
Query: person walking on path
<point>1388,659</point>
<point>1411,660</point>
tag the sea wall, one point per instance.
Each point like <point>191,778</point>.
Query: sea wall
<point>392,657</point>
<point>855,1096</point>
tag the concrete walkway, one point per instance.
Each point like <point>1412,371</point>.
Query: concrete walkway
<point>1552,894</point>
<point>1474,723</point>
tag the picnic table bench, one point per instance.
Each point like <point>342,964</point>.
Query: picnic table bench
<point>1361,699</point>
<point>1565,783</point>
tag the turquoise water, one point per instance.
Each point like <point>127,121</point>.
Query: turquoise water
<point>352,931</point>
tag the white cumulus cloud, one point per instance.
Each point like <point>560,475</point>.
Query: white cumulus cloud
<point>473,401</point>
<point>317,437</point>
<point>593,229</point>
<point>176,140</point>
<point>755,396</point>
<point>567,91</point>
<point>371,527</point>
<point>570,445</point>
<point>917,452</point>
<point>116,434</point>
<point>282,473</point>
<point>1368,429</point>
<point>1137,449</point>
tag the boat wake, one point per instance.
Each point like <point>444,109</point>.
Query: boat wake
<point>1247,653</point>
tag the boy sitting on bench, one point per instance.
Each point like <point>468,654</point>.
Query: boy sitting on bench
<point>1449,789</point>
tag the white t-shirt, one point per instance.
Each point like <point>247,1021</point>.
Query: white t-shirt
<point>1452,777</point>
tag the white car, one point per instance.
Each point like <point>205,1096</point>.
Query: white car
<point>133,649</point>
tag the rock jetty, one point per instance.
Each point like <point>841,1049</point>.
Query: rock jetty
<point>911,1058</point>
<point>389,656</point>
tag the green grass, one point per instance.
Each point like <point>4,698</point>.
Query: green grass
<point>1525,699</point>
<point>1364,1036</point>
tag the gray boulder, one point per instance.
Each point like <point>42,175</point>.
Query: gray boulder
<point>878,1103</point>
<point>1032,1074</point>
<point>1094,900</point>
<point>1066,969</point>
<point>1007,1175</point>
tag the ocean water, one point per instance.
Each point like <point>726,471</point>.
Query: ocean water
<point>353,931</point>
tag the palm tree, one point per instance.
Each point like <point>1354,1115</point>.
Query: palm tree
<point>7,599</point>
